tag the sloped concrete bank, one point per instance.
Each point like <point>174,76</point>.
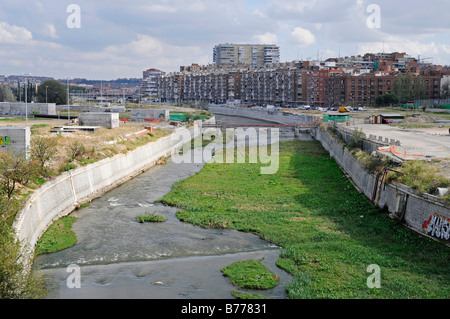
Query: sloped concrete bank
<point>60,196</point>
<point>426,214</point>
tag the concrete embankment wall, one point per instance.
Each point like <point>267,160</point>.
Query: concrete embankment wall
<point>265,115</point>
<point>22,108</point>
<point>426,214</point>
<point>59,197</point>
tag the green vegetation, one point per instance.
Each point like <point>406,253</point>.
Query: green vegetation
<point>250,274</point>
<point>15,283</point>
<point>387,99</point>
<point>329,232</point>
<point>420,176</point>
<point>57,237</point>
<point>6,94</point>
<point>52,91</point>
<point>150,218</point>
<point>246,295</point>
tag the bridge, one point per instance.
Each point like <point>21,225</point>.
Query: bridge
<point>286,131</point>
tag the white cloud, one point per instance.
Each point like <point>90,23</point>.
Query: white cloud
<point>267,38</point>
<point>50,30</point>
<point>303,37</point>
<point>13,34</point>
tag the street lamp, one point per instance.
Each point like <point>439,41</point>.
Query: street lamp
<point>68,105</point>
<point>46,94</point>
<point>26,97</point>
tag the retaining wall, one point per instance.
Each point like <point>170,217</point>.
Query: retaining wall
<point>21,108</point>
<point>152,114</point>
<point>108,120</point>
<point>265,115</point>
<point>59,197</point>
<point>426,214</point>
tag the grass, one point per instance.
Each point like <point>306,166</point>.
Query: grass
<point>246,295</point>
<point>420,176</point>
<point>150,218</point>
<point>57,237</point>
<point>250,274</point>
<point>329,233</point>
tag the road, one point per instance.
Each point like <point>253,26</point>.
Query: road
<point>433,142</point>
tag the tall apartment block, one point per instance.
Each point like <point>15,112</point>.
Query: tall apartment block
<point>254,55</point>
<point>149,84</point>
<point>356,81</point>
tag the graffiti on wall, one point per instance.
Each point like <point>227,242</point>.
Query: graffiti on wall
<point>5,141</point>
<point>437,226</point>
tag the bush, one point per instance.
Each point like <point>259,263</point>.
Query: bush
<point>420,176</point>
<point>15,281</point>
<point>357,138</point>
<point>44,150</point>
<point>76,149</point>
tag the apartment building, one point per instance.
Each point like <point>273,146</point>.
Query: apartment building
<point>170,87</point>
<point>253,55</point>
<point>315,85</point>
<point>356,80</point>
<point>360,90</point>
<point>149,84</point>
<point>278,86</point>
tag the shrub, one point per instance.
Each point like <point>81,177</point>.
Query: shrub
<point>420,176</point>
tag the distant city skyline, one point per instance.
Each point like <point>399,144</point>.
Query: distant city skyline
<point>120,39</point>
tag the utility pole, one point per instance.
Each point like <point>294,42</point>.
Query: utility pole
<point>26,98</point>
<point>68,105</point>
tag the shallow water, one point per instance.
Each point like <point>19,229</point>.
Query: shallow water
<point>121,258</point>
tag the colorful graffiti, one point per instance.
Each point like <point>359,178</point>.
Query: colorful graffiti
<point>5,141</point>
<point>437,226</point>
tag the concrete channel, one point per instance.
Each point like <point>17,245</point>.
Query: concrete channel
<point>121,258</point>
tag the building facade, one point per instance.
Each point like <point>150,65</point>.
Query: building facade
<point>356,80</point>
<point>149,84</point>
<point>254,55</point>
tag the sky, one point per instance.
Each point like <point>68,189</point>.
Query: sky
<point>110,39</point>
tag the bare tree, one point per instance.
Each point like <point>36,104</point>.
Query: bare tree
<point>14,169</point>
<point>44,150</point>
<point>76,149</point>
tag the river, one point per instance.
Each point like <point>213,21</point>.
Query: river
<point>119,258</point>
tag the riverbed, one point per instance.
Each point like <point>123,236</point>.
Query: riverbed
<point>118,257</point>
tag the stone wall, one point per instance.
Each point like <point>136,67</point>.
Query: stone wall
<point>104,119</point>
<point>21,108</point>
<point>423,213</point>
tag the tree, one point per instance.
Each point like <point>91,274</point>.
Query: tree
<point>445,89</point>
<point>52,91</point>
<point>43,150</point>
<point>76,149</point>
<point>14,169</point>
<point>6,94</point>
<point>387,99</point>
<point>16,281</point>
<point>409,88</point>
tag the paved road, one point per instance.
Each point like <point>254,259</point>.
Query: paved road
<point>434,143</point>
